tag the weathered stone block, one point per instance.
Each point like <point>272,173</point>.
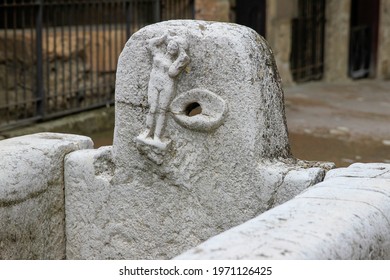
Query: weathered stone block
<point>90,211</point>
<point>32,221</point>
<point>200,145</point>
<point>345,217</point>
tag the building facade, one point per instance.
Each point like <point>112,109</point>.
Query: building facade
<point>328,40</point>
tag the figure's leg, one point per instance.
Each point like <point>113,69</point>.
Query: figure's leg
<point>149,124</point>
<point>150,118</point>
<point>160,124</point>
<point>163,104</point>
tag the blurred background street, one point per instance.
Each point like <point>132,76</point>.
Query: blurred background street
<point>340,122</point>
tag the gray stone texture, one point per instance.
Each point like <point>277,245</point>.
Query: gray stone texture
<point>230,60</point>
<point>162,189</point>
<point>32,221</point>
<point>345,217</point>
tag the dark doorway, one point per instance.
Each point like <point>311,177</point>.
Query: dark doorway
<point>363,38</point>
<point>251,13</point>
<point>307,42</point>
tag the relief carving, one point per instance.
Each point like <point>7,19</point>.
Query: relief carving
<point>169,56</point>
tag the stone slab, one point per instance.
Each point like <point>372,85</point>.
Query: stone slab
<point>340,218</point>
<point>32,220</point>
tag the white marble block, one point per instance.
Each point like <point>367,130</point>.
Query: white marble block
<point>200,145</point>
<point>32,214</point>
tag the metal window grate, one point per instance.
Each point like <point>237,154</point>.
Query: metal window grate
<point>307,50</point>
<point>59,57</point>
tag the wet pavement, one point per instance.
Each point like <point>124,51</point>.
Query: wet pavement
<point>351,110</point>
<point>342,123</point>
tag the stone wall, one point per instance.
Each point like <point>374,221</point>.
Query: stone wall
<point>32,214</point>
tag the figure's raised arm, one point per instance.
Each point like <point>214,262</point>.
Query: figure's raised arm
<point>179,64</point>
<point>154,42</point>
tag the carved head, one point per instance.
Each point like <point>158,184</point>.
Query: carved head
<point>172,47</point>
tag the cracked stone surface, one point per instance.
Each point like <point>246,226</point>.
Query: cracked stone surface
<point>32,211</point>
<point>347,216</point>
<point>172,179</point>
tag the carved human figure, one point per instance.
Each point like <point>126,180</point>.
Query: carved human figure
<point>169,59</point>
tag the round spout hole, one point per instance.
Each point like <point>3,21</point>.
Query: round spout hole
<point>193,109</point>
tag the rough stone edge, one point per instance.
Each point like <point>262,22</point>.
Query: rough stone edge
<point>57,143</point>
<point>57,146</point>
<point>344,217</point>
<point>96,167</point>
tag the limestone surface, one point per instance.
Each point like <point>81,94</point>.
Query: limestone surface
<point>173,177</point>
<point>32,215</point>
<point>345,217</point>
